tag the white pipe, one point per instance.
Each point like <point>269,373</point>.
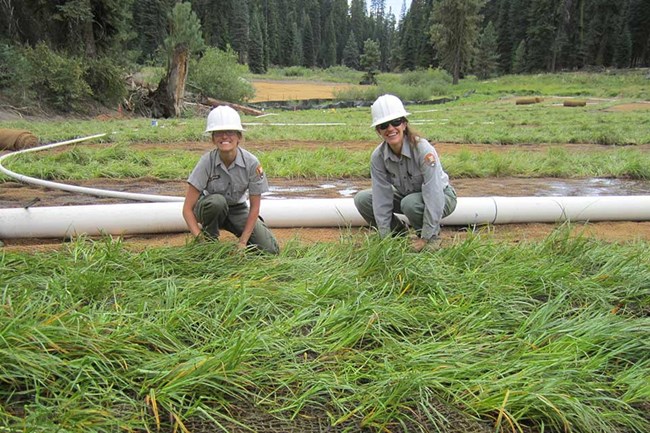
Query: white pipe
<point>165,216</point>
<point>119,219</point>
<point>79,189</point>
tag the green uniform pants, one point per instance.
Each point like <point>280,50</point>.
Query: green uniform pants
<point>411,205</point>
<point>213,213</point>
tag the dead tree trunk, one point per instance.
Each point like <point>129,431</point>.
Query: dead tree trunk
<point>167,99</point>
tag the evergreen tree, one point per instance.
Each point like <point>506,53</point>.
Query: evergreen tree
<point>215,20</point>
<point>623,47</point>
<point>416,47</point>
<point>351,52</point>
<point>296,45</point>
<point>150,26</point>
<point>639,25</point>
<point>486,61</point>
<point>314,11</point>
<point>519,58</point>
<point>359,20</point>
<point>371,56</point>
<point>184,28</point>
<point>328,48</point>
<point>517,24</point>
<point>308,49</point>
<point>604,18</point>
<point>504,39</point>
<point>454,32</point>
<point>256,62</point>
<point>273,25</point>
<point>340,21</point>
<point>240,29</point>
<point>543,25</point>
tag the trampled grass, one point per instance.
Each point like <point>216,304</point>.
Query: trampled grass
<point>548,336</point>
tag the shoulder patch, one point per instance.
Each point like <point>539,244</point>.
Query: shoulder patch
<point>430,158</point>
<point>260,171</point>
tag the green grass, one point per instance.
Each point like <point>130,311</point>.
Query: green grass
<point>166,163</point>
<point>548,336</point>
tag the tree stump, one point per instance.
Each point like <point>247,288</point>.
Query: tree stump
<point>167,99</point>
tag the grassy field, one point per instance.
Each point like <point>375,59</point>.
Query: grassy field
<point>549,336</point>
<point>356,335</point>
<point>487,115</point>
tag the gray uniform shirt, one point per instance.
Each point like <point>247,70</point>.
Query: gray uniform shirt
<point>418,169</point>
<point>211,176</point>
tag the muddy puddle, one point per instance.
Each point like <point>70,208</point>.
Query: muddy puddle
<point>14,194</point>
<point>479,187</point>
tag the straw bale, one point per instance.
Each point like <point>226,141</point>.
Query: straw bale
<point>575,102</point>
<point>527,101</point>
<point>17,139</point>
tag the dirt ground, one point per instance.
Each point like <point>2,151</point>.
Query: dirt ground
<point>15,194</point>
<point>269,90</point>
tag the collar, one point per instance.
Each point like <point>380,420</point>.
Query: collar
<point>406,151</point>
<point>239,159</point>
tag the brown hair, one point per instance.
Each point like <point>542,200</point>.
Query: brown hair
<point>413,135</point>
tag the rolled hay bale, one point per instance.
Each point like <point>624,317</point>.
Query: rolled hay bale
<point>575,102</point>
<point>527,101</point>
<point>17,139</point>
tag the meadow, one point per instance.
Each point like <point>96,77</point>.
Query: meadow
<point>359,334</point>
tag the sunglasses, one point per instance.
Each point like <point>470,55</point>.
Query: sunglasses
<point>394,123</point>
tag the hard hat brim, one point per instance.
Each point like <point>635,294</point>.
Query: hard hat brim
<point>389,118</point>
<point>225,128</point>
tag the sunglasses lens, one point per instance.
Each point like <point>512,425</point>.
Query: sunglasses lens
<point>394,123</point>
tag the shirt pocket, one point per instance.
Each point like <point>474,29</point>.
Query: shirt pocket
<point>218,185</point>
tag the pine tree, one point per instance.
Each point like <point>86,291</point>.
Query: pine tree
<point>519,58</point>
<point>240,29</point>
<point>328,48</point>
<point>295,58</point>
<point>359,20</point>
<point>639,25</point>
<point>308,49</point>
<point>543,25</point>
<point>256,45</point>
<point>504,39</point>
<point>415,45</point>
<point>340,21</point>
<point>184,28</point>
<point>351,52</point>
<point>623,47</point>
<point>371,55</point>
<point>455,32</point>
<point>150,26</point>
<point>486,61</point>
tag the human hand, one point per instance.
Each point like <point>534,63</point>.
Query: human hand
<point>419,244</point>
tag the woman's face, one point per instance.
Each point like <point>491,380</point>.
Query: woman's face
<point>226,140</point>
<point>393,131</point>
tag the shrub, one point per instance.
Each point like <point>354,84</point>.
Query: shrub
<point>425,77</point>
<point>218,75</point>
<point>13,81</point>
<point>55,79</point>
<point>105,79</point>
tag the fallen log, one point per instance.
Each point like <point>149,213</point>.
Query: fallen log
<point>206,100</point>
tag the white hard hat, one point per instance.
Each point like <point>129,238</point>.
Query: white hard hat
<point>385,108</point>
<point>223,118</point>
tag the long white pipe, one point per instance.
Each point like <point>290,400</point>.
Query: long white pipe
<point>119,219</point>
<point>164,215</point>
